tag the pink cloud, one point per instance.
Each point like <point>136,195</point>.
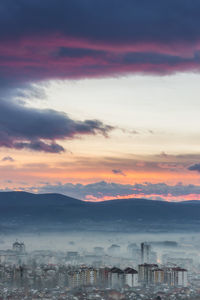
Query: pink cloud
<point>41,59</point>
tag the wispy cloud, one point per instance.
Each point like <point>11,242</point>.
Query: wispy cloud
<point>118,172</point>
<point>8,158</point>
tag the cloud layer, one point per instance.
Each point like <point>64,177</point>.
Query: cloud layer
<point>104,190</point>
<point>22,127</point>
<point>101,20</point>
<point>42,40</point>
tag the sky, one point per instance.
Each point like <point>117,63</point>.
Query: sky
<point>99,99</point>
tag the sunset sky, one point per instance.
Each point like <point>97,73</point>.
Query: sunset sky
<point>100,99</point>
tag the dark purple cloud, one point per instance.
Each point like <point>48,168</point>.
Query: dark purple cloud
<point>118,172</point>
<point>79,52</point>
<point>22,127</point>
<point>38,145</point>
<point>195,167</point>
<point>116,21</point>
<point>51,39</point>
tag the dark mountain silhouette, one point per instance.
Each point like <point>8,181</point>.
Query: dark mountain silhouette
<point>21,211</point>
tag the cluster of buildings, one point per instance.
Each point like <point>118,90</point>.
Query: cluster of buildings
<point>103,277</point>
<point>147,275</point>
<point>73,276</point>
<point>39,269</point>
<point>152,274</point>
<point>50,276</point>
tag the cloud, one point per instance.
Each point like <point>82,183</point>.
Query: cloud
<point>118,171</point>
<point>78,39</point>
<point>74,63</point>
<point>23,127</point>
<point>79,52</point>
<point>8,181</point>
<point>113,21</point>
<point>8,158</point>
<point>195,167</point>
<point>39,146</point>
<point>105,190</point>
<point>97,190</point>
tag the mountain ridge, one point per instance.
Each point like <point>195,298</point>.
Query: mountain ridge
<point>66,197</point>
<point>19,210</point>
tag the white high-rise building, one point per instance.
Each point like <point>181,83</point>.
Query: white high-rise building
<point>131,277</point>
<point>181,277</point>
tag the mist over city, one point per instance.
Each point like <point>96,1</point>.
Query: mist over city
<point>99,265</point>
<point>76,256</point>
<point>99,149</point>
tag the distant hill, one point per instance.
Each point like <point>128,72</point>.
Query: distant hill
<point>34,212</point>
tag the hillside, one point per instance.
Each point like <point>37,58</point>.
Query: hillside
<point>26,211</point>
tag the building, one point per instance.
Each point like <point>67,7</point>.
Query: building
<point>82,277</point>
<point>103,277</point>
<point>182,278</point>
<point>72,255</point>
<point>116,278</point>
<point>19,247</point>
<point>151,274</point>
<point>132,247</point>
<point>145,273</point>
<point>145,252</point>
<point>130,277</point>
<point>158,276</point>
<point>99,251</point>
<point>176,277</point>
<point>114,250</point>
